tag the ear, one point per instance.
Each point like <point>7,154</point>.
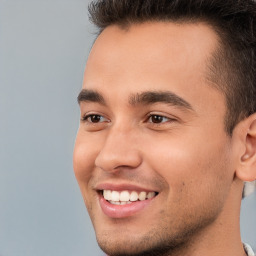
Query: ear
<point>245,133</point>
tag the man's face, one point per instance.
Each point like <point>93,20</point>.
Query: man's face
<point>152,127</point>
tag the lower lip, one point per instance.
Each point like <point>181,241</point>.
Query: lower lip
<point>122,211</point>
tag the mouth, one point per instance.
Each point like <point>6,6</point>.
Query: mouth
<point>126,197</point>
<point>124,203</point>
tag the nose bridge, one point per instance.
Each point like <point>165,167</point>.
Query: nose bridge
<point>120,149</point>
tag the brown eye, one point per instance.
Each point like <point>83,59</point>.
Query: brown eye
<point>157,119</point>
<point>95,118</point>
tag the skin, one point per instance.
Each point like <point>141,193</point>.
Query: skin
<point>188,158</point>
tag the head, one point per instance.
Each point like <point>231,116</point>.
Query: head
<point>167,111</point>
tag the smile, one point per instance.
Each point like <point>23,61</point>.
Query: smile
<point>126,197</point>
<point>124,203</point>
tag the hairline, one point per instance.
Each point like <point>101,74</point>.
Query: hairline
<point>213,62</point>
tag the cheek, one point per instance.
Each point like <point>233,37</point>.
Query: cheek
<point>188,163</point>
<point>83,158</point>
<point>197,182</point>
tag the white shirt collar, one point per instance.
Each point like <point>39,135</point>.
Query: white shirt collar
<point>248,250</point>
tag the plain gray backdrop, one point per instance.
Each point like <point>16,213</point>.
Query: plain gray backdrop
<point>44,45</point>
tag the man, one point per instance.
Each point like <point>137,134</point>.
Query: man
<point>168,126</point>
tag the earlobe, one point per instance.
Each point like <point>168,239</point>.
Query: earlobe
<point>246,169</point>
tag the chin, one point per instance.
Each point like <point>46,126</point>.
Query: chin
<point>162,239</point>
<point>140,244</point>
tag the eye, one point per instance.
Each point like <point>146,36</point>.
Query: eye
<point>93,118</point>
<point>158,119</point>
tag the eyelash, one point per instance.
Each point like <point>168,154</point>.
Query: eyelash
<point>158,119</point>
<point>86,117</point>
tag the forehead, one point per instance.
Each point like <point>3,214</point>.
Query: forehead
<point>149,56</point>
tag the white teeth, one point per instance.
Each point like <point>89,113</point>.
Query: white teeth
<point>124,197</point>
<point>142,196</point>
<point>119,203</point>
<point>134,196</point>
<point>115,202</point>
<point>151,195</point>
<point>107,194</point>
<point>122,203</point>
<point>115,196</point>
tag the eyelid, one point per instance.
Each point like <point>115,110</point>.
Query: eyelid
<point>86,116</point>
<point>169,118</point>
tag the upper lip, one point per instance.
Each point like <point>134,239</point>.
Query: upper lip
<point>122,187</point>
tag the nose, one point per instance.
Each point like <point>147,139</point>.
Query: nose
<point>120,150</point>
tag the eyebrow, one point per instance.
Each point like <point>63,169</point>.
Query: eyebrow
<point>151,97</point>
<point>144,98</point>
<point>90,96</point>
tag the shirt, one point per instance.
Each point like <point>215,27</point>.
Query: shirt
<point>248,250</point>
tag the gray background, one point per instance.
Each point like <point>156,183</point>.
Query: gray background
<point>43,49</point>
